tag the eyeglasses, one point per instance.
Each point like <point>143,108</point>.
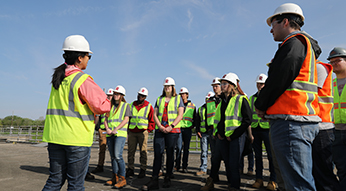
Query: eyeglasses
<point>335,61</point>
<point>89,57</point>
<point>224,84</point>
<point>276,21</point>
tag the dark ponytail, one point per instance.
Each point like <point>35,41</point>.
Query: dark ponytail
<point>59,72</point>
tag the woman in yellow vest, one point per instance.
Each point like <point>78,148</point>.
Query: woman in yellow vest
<point>232,119</point>
<point>116,125</point>
<point>69,124</point>
<point>168,112</point>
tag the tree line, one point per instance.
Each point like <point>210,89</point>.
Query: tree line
<point>18,121</point>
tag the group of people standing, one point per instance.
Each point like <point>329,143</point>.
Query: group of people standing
<point>292,113</point>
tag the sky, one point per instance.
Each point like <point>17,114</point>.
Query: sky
<point>138,43</point>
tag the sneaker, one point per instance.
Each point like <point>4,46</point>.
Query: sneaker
<point>258,183</point>
<point>88,176</point>
<point>250,173</point>
<point>166,182</point>
<point>97,169</point>
<point>201,173</point>
<point>272,186</point>
<point>184,170</point>
<point>209,185</point>
<point>141,174</point>
<point>153,184</point>
<point>160,173</point>
<point>129,172</point>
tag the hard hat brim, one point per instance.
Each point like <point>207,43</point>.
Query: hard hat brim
<point>270,18</point>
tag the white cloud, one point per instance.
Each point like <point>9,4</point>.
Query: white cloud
<point>201,72</point>
<point>190,16</point>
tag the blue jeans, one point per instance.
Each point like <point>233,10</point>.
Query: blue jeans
<point>162,141</point>
<point>67,162</point>
<point>292,144</point>
<point>116,148</point>
<point>323,167</point>
<point>184,137</point>
<point>262,135</point>
<point>251,161</point>
<point>204,141</point>
<point>339,156</point>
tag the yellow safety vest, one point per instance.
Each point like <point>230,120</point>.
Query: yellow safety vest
<point>172,109</point>
<point>211,108</point>
<point>233,115</point>
<point>68,121</point>
<point>201,112</point>
<point>339,104</point>
<point>255,119</point>
<point>116,117</point>
<point>187,120</point>
<point>139,118</point>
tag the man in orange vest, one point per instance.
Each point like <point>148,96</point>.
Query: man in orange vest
<point>290,99</point>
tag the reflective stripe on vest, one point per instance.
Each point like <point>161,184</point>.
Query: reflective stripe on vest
<point>339,104</point>
<point>325,96</point>
<point>233,115</point>
<point>255,119</point>
<point>187,120</point>
<point>301,97</point>
<point>172,109</point>
<point>68,121</point>
<point>102,124</point>
<point>116,117</point>
<point>211,108</point>
<point>139,118</point>
<point>201,112</point>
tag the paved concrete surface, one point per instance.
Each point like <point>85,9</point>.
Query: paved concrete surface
<point>25,167</point>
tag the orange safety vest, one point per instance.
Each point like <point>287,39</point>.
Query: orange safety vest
<point>325,96</point>
<point>301,97</point>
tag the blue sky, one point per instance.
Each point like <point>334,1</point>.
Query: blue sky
<point>138,43</point>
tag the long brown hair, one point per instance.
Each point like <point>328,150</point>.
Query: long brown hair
<point>236,90</point>
<point>122,99</point>
<point>174,93</point>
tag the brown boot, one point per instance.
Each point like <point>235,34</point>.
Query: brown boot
<point>121,183</point>
<point>112,181</point>
<point>272,186</point>
<point>258,183</point>
<point>209,185</point>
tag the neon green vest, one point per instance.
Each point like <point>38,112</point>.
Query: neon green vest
<point>102,125</point>
<point>201,112</point>
<point>139,118</point>
<point>233,115</point>
<point>68,121</point>
<point>211,108</point>
<point>187,120</point>
<point>255,119</point>
<point>339,104</point>
<point>172,109</point>
<point>116,117</point>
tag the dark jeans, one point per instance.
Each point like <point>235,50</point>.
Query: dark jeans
<point>262,135</point>
<point>250,160</point>
<point>67,162</point>
<point>216,156</point>
<point>323,166</point>
<point>339,156</point>
<point>183,143</point>
<point>162,140</point>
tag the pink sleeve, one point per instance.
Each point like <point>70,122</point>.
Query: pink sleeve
<point>93,95</point>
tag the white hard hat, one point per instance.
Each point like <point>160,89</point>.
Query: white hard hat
<point>143,91</point>
<point>261,78</point>
<point>209,95</point>
<point>216,81</point>
<point>183,90</point>
<point>287,8</point>
<point>120,89</point>
<point>169,81</point>
<point>110,91</point>
<point>76,43</point>
<point>231,77</point>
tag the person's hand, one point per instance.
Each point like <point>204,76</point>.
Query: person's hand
<point>260,113</point>
<point>229,139</point>
<point>115,131</point>
<point>168,129</point>
<point>199,135</point>
<point>251,138</point>
<point>219,137</point>
<point>109,131</point>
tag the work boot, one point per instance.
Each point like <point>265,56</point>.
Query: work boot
<point>141,174</point>
<point>112,181</point>
<point>129,172</point>
<point>209,185</point>
<point>184,170</point>
<point>258,183</point>
<point>201,173</point>
<point>121,183</point>
<point>250,173</point>
<point>166,182</point>
<point>272,185</point>
<point>97,169</point>
<point>217,179</point>
<point>160,173</point>
<point>231,188</point>
<point>88,176</point>
<point>153,184</point>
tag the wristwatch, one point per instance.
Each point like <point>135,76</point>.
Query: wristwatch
<point>173,126</point>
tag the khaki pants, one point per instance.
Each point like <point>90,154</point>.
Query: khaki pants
<point>102,146</point>
<point>142,139</point>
